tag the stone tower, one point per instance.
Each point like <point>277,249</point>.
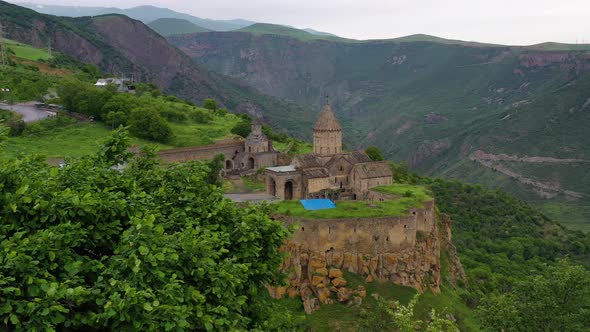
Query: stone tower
<point>327,133</point>
<point>257,141</point>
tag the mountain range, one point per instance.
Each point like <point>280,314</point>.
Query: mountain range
<point>146,14</point>
<point>512,118</point>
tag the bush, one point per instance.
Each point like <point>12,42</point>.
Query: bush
<point>147,123</point>
<point>59,121</point>
<point>210,104</point>
<point>17,127</point>
<point>200,116</point>
<point>374,153</point>
<point>174,115</point>
<point>221,112</point>
<point>116,119</point>
<point>242,128</point>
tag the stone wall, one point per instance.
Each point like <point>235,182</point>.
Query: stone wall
<point>206,152</point>
<point>404,250</point>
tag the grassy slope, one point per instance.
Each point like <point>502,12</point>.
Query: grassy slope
<point>416,195</point>
<point>27,52</point>
<point>80,139</point>
<point>340,317</point>
<point>75,139</point>
<point>174,26</point>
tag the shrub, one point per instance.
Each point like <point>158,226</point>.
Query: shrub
<point>59,121</point>
<point>200,116</point>
<point>17,127</point>
<point>374,153</point>
<point>210,104</point>
<point>173,115</point>
<point>147,123</point>
<point>221,112</point>
<point>242,128</point>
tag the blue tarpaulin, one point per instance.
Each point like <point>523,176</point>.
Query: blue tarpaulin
<point>318,204</point>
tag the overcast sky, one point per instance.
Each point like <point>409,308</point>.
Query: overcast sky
<point>498,21</point>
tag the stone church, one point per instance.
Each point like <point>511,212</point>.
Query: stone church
<point>255,153</point>
<point>327,172</point>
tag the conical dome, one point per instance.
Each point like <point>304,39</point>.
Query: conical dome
<point>327,120</point>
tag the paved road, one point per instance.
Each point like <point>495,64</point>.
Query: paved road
<point>29,111</point>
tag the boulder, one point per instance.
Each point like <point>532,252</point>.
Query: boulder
<point>335,273</point>
<point>322,271</point>
<point>317,262</point>
<point>337,259</point>
<point>357,300</point>
<point>323,295</point>
<point>292,293</point>
<point>316,281</point>
<point>339,282</point>
<point>361,291</point>
<point>344,294</point>
<point>310,305</point>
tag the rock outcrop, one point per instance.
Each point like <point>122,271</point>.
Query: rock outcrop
<point>315,272</point>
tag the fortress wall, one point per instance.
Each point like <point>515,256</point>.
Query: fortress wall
<point>358,235</point>
<point>384,248</point>
<point>206,152</point>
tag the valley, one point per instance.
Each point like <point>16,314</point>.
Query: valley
<point>112,219</point>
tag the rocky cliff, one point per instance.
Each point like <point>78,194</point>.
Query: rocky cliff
<point>315,273</point>
<point>122,46</point>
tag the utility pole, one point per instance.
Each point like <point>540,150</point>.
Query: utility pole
<point>3,50</point>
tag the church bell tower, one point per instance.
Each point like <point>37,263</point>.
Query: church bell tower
<point>327,133</point>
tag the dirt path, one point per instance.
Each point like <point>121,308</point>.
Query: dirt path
<point>543,189</point>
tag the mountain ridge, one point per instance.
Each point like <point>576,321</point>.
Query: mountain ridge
<point>145,14</point>
<point>142,53</point>
<point>175,26</point>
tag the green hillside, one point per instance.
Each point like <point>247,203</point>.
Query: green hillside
<point>174,26</point>
<point>118,44</point>
<point>26,52</point>
<point>281,30</point>
<point>434,104</point>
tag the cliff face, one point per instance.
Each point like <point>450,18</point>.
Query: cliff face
<point>125,47</point>
<point>321,249</point>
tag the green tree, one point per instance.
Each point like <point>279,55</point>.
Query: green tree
<point>374,153</point>
<point>557,300</point>
<point>210,104</point>
<point>216,165</point>
<point>146,122</point>
<point>391,316</point>
<point>242,128</point>
<point>85,248</point>
<point>4,130</point>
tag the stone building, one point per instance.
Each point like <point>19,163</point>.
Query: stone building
<point>327,172</point>
<point>257,153</point>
